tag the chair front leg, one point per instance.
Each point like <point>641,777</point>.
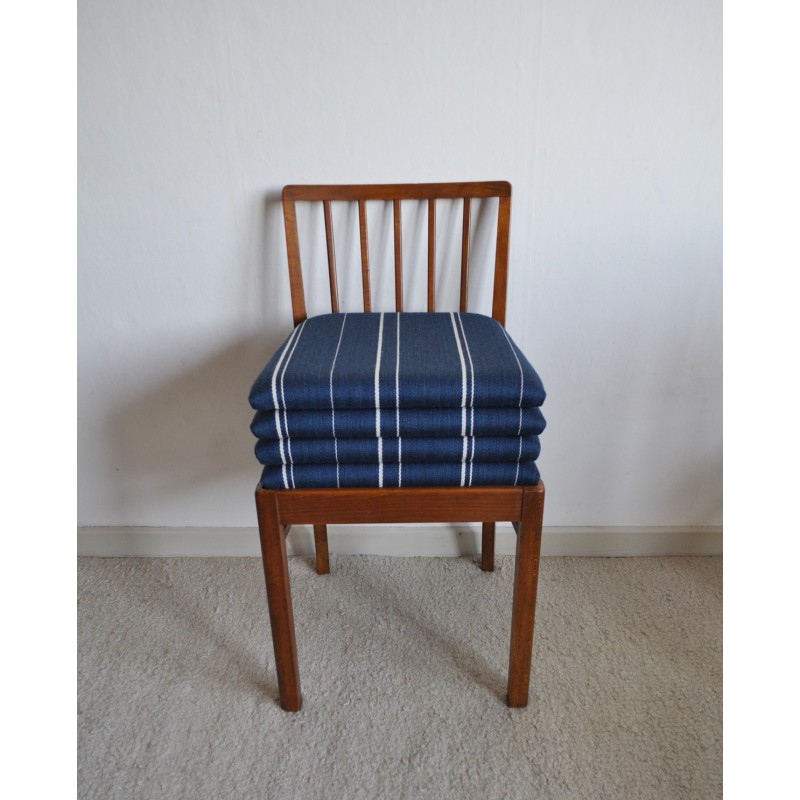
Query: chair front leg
<point>526,578</point>
<point>279,599</point>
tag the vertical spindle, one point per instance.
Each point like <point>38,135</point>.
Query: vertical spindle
<point>398,256</point>
<point>362,225</point>
<point>326,205</point>
<point>465,255</point>
<point>431,254</point>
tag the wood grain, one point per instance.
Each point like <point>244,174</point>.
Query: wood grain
<point>431,254</point>
<point>295,269</point>
<point>401,191</point>
<point>465,226</point>
<point>526,579</point>
<point>487,547</point>
<point>398,255</point>
<point>431,192</point>
<point>373,506</point>
<point>331,248</point>
<point>364,237</point>
<point>501,261</point>
<point>279,600</point>
<point>321,549</point>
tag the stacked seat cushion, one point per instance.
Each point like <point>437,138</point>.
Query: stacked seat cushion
<point>398,399</point>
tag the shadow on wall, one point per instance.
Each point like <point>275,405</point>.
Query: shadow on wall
<point>189,432</point>
<point>192,429</point>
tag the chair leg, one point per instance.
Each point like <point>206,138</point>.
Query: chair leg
<point>526,578</point>
<point>321,548</point>
<point>487,547</point>
<point>279,599</point>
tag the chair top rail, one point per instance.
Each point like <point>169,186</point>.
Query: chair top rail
<point>397,191</point>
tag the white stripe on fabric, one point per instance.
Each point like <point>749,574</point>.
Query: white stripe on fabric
<point>463,398</point>
<point>521,373</point>
<point>378,402</point>
<point>285,418</point>
<point>521,387</point>
<point>333,412</point>
<point>275,402</point>
<point>397,405</point>
<point>471,399</point>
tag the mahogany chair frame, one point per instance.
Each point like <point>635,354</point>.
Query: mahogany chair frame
<point>278,510</point>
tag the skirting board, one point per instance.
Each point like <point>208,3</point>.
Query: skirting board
<point>401,540</point>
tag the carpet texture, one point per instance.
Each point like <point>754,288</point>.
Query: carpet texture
<point>403,665</point>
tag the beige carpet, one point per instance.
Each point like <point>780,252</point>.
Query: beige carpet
<point>403,663</point>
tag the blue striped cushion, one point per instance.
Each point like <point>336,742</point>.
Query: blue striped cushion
<point>391,360</point>
<point>314,476</point>
<point>412,422</point>
<point>393,450</point>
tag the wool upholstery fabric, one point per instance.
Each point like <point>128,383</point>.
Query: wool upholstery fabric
<point>397,360</point>
<point>470,449</point>
<point>411,422</point>
<point>321,476</point>
<point>398,399</point>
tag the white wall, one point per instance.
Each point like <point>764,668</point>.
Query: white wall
<point>605,116</point>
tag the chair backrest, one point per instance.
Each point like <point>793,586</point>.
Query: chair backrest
<point>395,193</point>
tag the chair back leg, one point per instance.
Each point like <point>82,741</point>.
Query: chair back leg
<point>487,547</point>
<point>321,549</point>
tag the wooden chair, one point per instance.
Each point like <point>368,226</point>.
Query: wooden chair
<point>522,505</point>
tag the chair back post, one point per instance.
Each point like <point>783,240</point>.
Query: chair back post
<point>501,260</point>
<point>396,192</point>
<point>293,253</point>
